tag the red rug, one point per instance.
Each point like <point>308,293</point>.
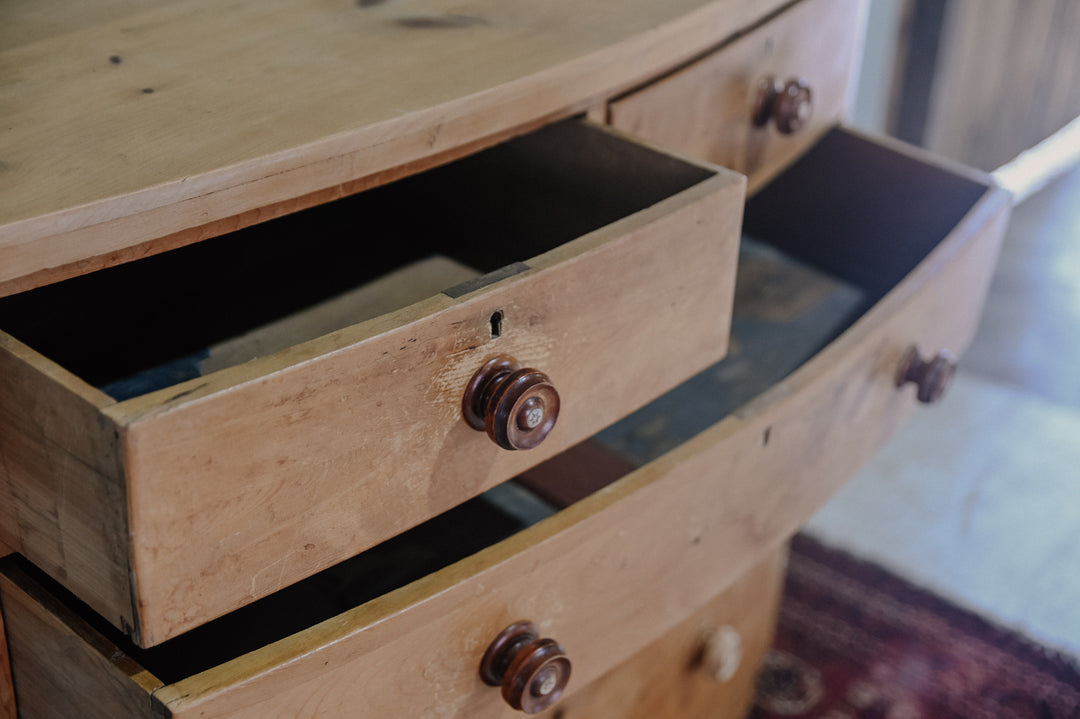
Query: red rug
<point>858,642</point>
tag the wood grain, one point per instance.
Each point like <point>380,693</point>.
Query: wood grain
<point>7,689</point>
<point>61,666</point>
<point>705,109</point>
<point>669,678</point>
<point>204,118</point>
<point>781,457</point>
<point>62,494</point>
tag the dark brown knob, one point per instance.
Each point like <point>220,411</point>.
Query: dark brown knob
<point>789,105</point>
<point>932,377</point>
<point>515,405</point>
<point>532,672</point>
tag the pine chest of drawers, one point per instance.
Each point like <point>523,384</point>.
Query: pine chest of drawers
<point>339,338</point>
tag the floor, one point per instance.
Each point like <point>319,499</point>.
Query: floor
<point>978,498</point>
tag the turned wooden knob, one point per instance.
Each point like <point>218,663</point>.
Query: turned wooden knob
<point>532,672</point>
<point>788,104</point>
<point>516,406</point>
<point>932,377</point>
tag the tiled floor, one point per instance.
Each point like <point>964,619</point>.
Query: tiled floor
<point>979,498</point>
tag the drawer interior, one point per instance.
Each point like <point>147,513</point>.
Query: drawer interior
<point>861,211</point>
<point>152,323</point>
<point>797,291</point>
<point>822,243</point>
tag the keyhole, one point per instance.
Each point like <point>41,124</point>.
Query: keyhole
<point>496,323</point>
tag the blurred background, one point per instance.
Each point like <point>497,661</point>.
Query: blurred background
<point>978,498</point>
<point>974,80</point>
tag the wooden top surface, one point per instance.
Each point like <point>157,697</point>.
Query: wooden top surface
<point>126,120</point>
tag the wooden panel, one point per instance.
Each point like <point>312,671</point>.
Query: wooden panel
<point>270,495</point>
<point>62,667</point>
<point>987,105</point>
<point>62,498</point>
<point>705,109</point>
<point>7,689</point>
<point>737,489</point>
<point>199,118</point>
<point>671,677</point>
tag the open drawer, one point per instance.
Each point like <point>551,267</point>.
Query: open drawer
<point>893,251</point>
<point>187,433</point>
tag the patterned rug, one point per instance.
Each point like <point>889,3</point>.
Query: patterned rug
<point>857,642</point>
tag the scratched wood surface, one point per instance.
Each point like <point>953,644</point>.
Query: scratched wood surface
<point>613,573</point>
<point>131,127</point>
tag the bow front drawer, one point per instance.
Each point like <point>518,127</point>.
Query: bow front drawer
<point>187,433</point>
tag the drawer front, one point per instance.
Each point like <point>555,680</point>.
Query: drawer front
<point>704,668</point>
<point>707,109</point>
<point>270,470</point>
<point>620,568</point>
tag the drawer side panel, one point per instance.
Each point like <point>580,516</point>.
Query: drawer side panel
<point>62,668</point>
<point>62,497</point>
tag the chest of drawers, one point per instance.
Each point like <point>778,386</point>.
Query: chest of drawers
<point>197,472</point>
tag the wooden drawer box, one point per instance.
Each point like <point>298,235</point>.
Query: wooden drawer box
<point>907,244</point>
<point>165,494</point>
